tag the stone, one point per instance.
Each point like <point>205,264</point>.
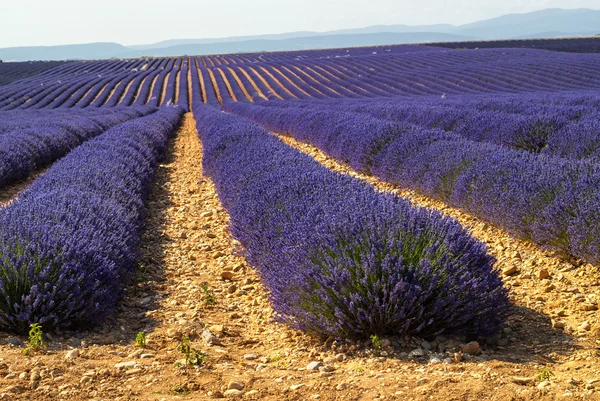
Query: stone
<point>232,288</point>
<point>543,385</point>
<point>173,333</point>
<point>135,353</point>
<point>209,338</point>
<point>313,365</point>
<point>226,275</point>
<point>585,326</point>
<point>329,360</point>
<point>341,386</point>
<point>218,329</point>
<point>146,356</point>
<point>589,307</point>
<point>250,357</point>
<point>232,393</point>
<point>557,324</point>
<point>235,385</point>
<point>426,345</point>
<point>521,380</point>
<point>133,371</point>
<point>543,274</point>
<point>295,387</point>
<point>14,341</point>
<point>124,365</point>
<point>434,360</point>
<point>340,357</point>
<point>510,270</point>
<point>416,352</point>
<point>471,348</point>
<point>72,354</point>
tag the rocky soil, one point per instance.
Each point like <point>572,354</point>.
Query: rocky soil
<point>194,283</point>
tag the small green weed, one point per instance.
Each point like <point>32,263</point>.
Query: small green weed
<point>192,355</point>
<point>208,296</point>
<point>178,389</point>
<point>544,375</point>
<point>140,339</point>
<point>376,341</point>
<point>36,342</point>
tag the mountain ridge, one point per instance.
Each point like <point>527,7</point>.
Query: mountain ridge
<point>551,22</point>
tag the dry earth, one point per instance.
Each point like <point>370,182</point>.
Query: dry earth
<point>193,281</point>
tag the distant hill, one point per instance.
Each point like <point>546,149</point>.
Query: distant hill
<point>65,52</point>
<point>306,43</point>
<point>548,23</point>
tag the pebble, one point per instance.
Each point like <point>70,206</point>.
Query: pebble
<point>234,385</point>
<point>133,371</point>
<point>123,365</point>
<point>135,353</point>
<point>557,324</point>
<point>471,348</point>
<point>313,365</point>
<point>341,386</point>
<point>218,329</point>
<point>146,356</point>
<point>294,387</point>
<point>543,274</point>
<point>434,360</point>
<point>250,357</point>
<point>585,326</point>
<point>589,307</point>
<point>543,385</point>
<point>72,354</point>
<point>232,288</point>
<point>173,333</point>
<point>209,338</point>
<point>521,380</point>
<point>14,341</point>
<point>226,275</point>
<point>340,357</point>
<point>509,271</point>
<point>416,353</point>
<point>232,393</point>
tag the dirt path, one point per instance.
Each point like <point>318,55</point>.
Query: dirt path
<point>193,281</point>
<point>10,192</point>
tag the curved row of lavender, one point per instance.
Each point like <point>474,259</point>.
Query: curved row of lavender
<point>68,244</point>
<point>368,73</point>
<point>31,140</point>
<point>338,257</point>
<point>551,201</point>
<point>10,72</point>
<point>565,124</point>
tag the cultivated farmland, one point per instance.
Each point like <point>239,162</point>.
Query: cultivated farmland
<point>393,222</point>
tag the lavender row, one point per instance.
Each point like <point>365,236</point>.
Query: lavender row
<point>26,149</point>
<point>339,258</point>
<point>68,245</point>
<point>550,201</point>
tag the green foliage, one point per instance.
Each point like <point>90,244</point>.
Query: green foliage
<point>140,339</point>
<point>376,341</point>
<point>192,355</point>
<point>544,375</point>
<point>208,296</point>
<point>36,342</point>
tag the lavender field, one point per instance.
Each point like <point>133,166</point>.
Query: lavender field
<point>510,136</point>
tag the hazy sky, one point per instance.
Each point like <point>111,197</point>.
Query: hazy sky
<point>52,22</point>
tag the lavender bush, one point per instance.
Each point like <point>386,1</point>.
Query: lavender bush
<point>68,245</point>
<point>338,257</point>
